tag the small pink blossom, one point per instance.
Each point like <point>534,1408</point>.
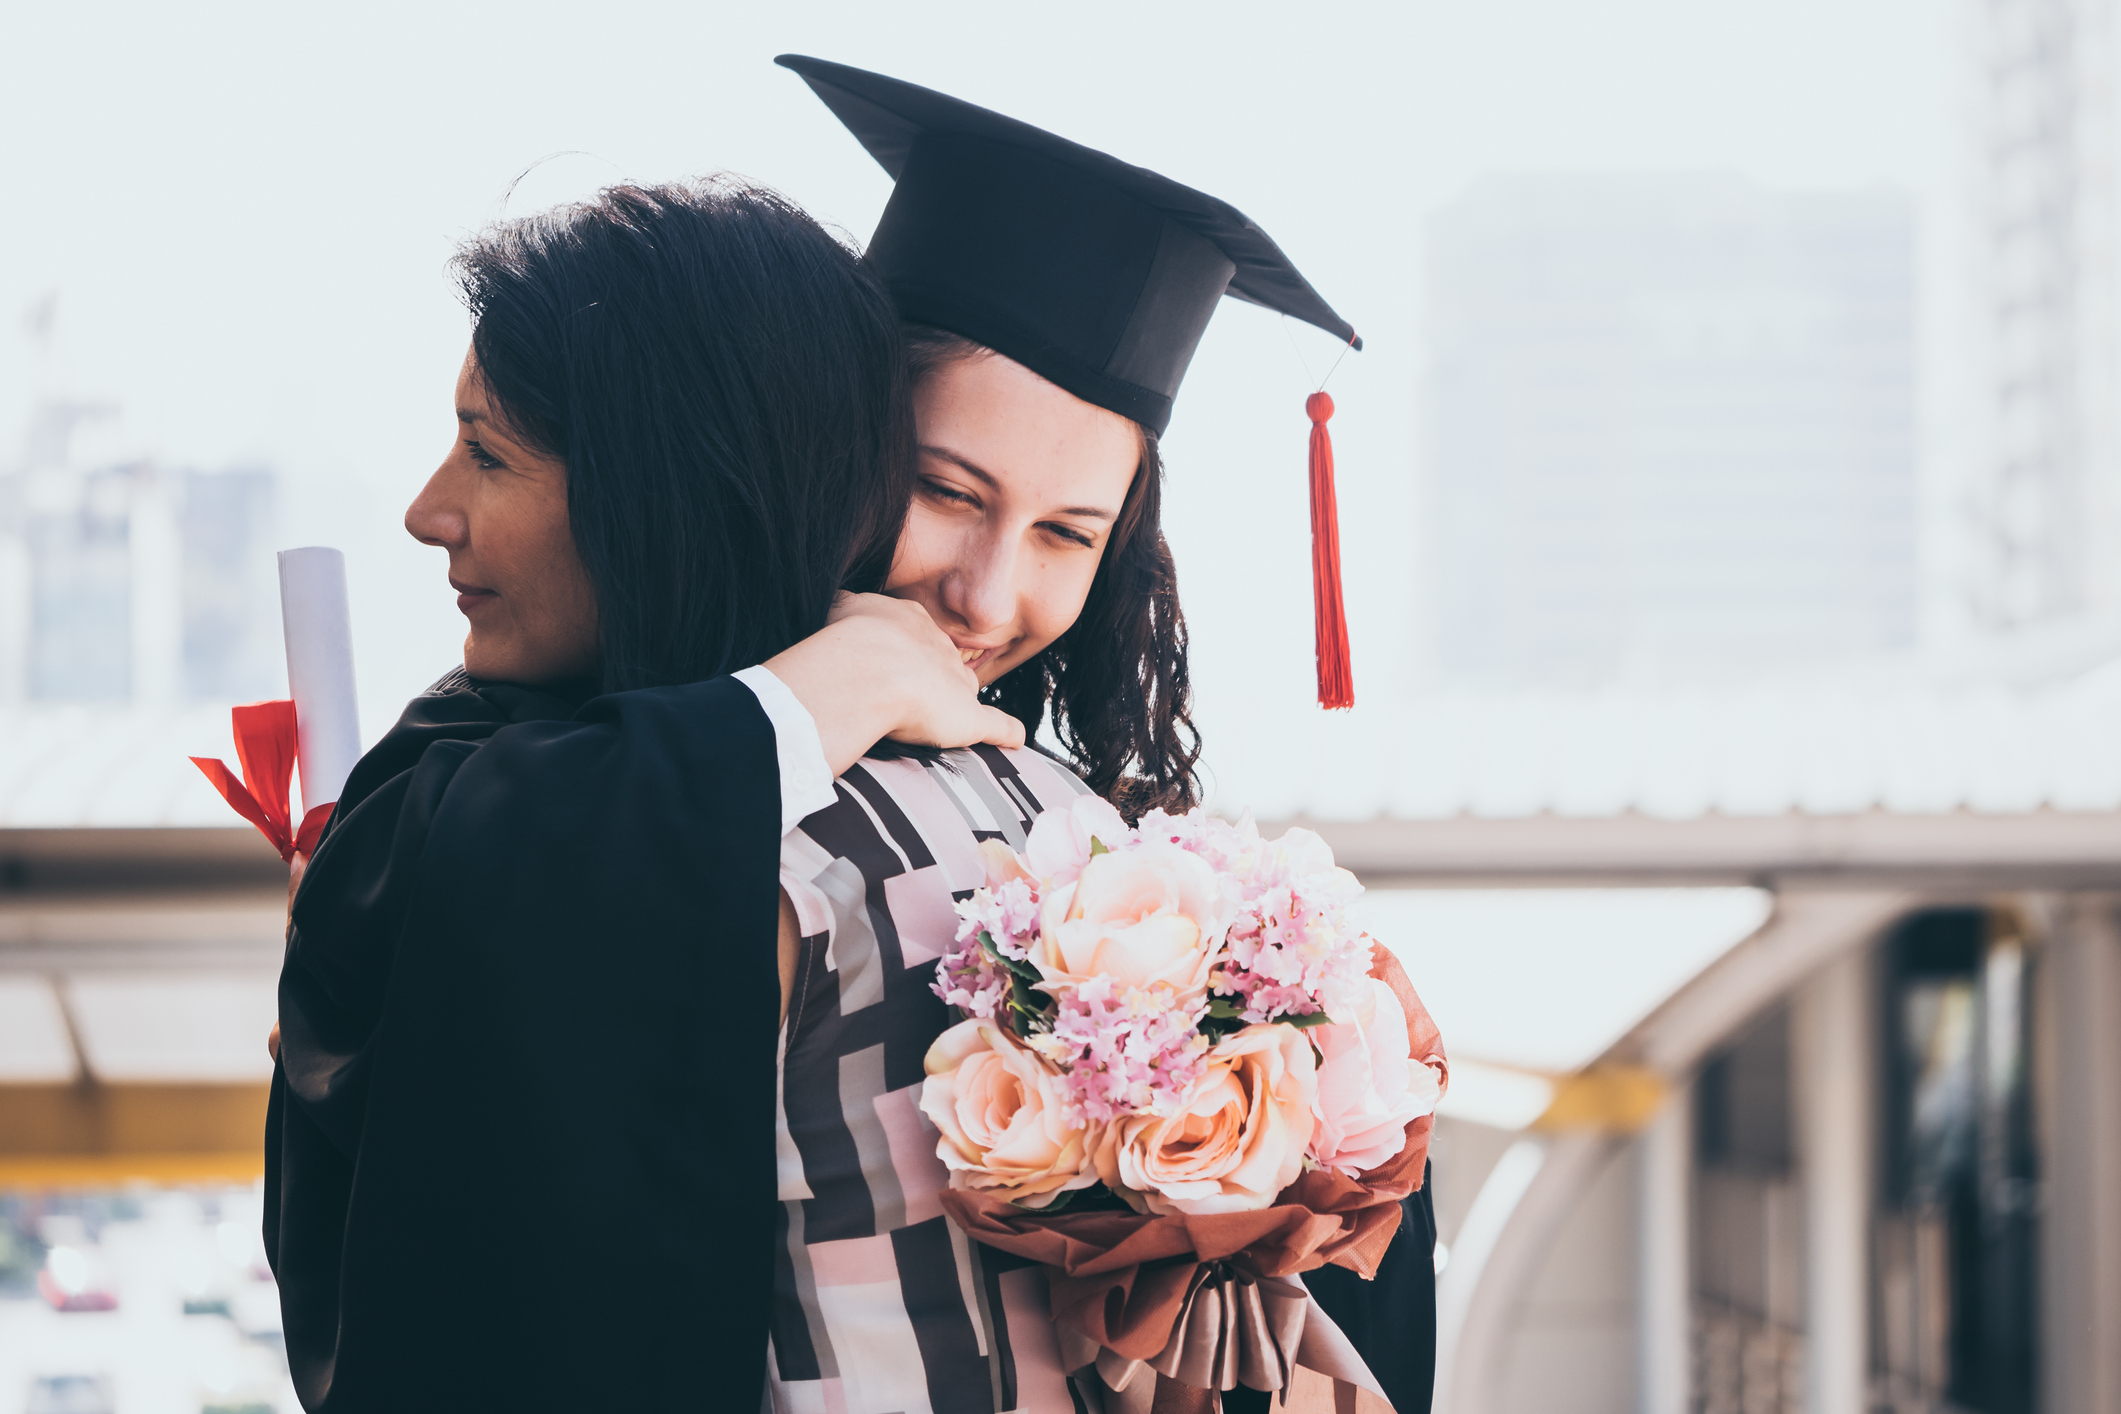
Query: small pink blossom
<point>968,977</point>
<point>1292,949</point>
<point>1230,847</point>
<point>1123,1050</point>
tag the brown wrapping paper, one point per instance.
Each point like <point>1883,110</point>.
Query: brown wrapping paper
<point>1129,1283</point>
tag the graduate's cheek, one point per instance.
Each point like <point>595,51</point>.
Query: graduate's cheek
<point>1056,593</point>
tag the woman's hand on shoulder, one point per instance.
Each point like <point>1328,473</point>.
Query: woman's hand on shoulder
<point>881,668</point>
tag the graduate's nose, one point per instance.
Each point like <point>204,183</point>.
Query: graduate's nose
<point>437,518</point>
<point>981,590</point>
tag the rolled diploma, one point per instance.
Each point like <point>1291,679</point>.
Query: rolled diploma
<point>320,672</point>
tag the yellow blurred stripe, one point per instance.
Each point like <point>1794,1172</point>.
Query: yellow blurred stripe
<point>62,1136</point>
<point>116,1170</point>
<point>1618,1099</point>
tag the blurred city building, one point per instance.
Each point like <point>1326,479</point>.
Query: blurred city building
<point>1670,428</point>
<point>125,581</point>
<point>2032,477</point>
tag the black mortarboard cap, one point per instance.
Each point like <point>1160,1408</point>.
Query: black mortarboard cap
<point>1095,274</point>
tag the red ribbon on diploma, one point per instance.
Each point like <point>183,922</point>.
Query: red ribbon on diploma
<point>265,745</point>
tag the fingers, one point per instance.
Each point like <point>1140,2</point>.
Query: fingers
<point>272,1042</point>
<point>998,728</point>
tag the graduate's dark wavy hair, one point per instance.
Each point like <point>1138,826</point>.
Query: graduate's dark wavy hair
<point>1115,685</point>
<point>725,384</point>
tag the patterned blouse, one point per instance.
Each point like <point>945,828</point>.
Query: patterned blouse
<point>880,1304</point>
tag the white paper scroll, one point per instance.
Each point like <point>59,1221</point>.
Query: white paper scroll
<point>320,673</point>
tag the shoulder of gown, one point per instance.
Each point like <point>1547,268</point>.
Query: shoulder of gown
<point>525,1099</point>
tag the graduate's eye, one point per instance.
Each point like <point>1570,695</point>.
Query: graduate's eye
<point>947,493</point>
<point>481,458</point>
<point>1071,534</point>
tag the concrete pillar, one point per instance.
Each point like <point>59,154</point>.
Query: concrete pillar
<point>1832,1064</point>
<point>2080,1110</point>
<point>1514,1219</point>
<point>1664,1311</point>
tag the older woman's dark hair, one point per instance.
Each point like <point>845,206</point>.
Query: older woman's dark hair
<point>724,383</point>
<point>1115,684</point>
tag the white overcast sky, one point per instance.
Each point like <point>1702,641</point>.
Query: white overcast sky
<point>247,211</point>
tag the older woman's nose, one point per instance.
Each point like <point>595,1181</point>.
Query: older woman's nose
<point>436,517</point>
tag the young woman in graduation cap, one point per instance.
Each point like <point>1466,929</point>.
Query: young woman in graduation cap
<point>520,1152</point>
<point>1053,297</point>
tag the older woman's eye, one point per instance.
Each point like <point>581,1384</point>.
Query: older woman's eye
<point>481,458</point>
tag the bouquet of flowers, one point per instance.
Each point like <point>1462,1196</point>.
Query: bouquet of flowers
<point>1183,1076</point>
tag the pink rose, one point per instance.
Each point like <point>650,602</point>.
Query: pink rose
<point>999,1109</point>
<point>1059,843</point>
<point>1368,1089</point>
<point>1152,916</point>
<point>1238,1142</point>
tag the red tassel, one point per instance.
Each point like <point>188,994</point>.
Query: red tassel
<point>265,747</point>
<point>1336,676</point>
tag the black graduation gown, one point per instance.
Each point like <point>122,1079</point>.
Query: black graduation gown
<point>520,1147</point>
<point>1391,1320</point>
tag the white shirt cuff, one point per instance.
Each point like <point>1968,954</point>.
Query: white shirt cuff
<point>806,781</point>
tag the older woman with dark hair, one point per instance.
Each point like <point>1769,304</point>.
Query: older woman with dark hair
<point>521,1145</point>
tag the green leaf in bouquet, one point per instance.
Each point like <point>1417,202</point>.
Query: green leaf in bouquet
<point>1022,971</point>
<point>1316,1018</point>
<point>1032,1004</point>
<point>1097,847</point>
<point>1225,1009</point>
<point>1059,1202</point>
<point>1095,1196</point>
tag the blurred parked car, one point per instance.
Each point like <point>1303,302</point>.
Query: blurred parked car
<point>21,1257</point>
<point>70,1394</point>
<point>72,1280</point>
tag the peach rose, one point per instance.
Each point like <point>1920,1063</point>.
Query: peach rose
<point>1150,917</point>
<point>1368,1089</point>
<point>999,1109</point>
<point>1002,865</point>
<point>1059,844</point>
<point>1235,1146</point>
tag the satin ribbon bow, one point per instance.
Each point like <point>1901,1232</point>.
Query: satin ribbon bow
<point>1234,1329</point>
<point>265,745</point>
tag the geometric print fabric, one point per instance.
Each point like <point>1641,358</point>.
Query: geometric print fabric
<point>880,1305</point>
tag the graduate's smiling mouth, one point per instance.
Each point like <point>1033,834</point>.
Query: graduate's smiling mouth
<point>977,656</point>
<point>470,596</point>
